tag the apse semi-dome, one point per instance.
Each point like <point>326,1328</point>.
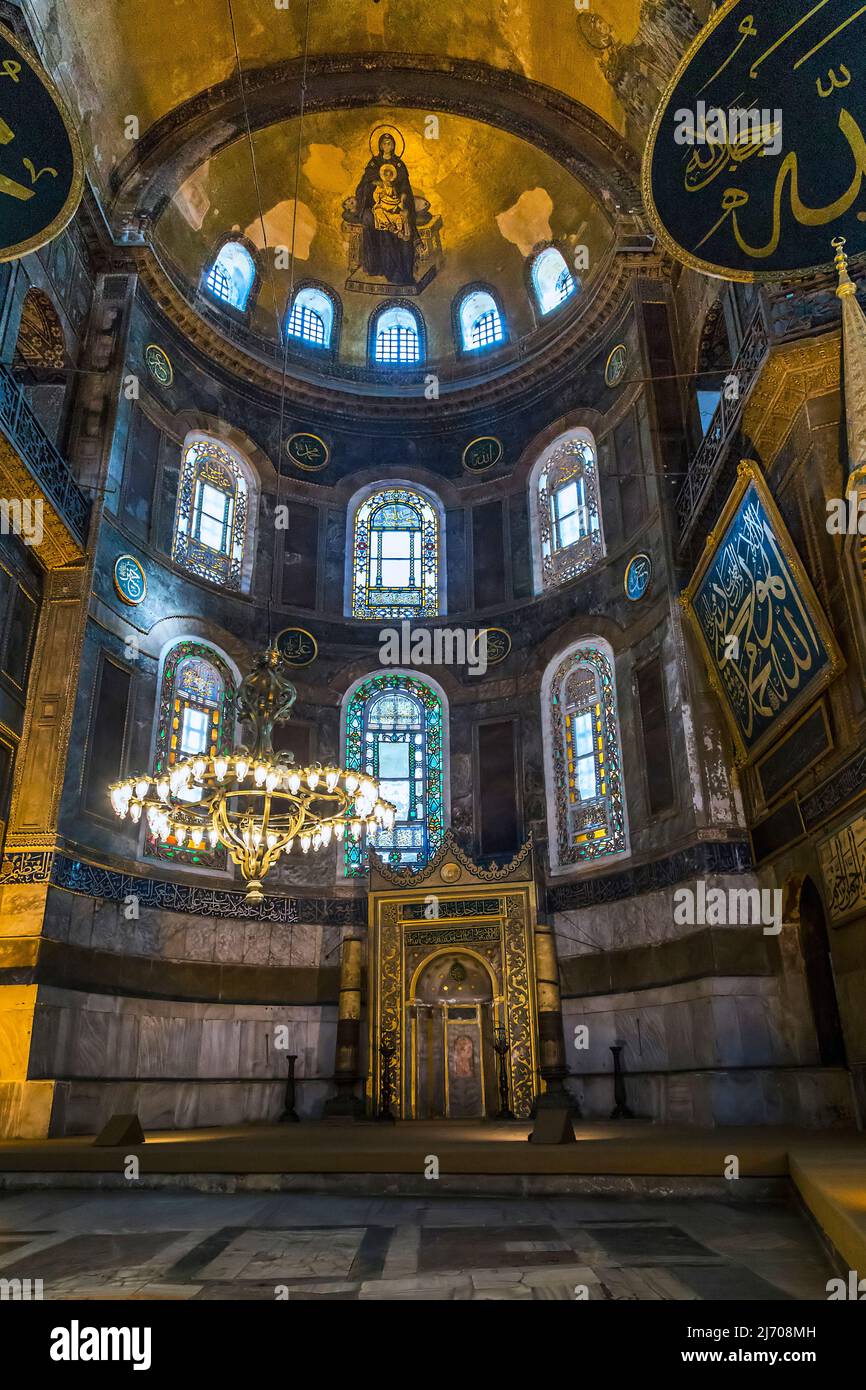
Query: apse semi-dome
<point>403,226</point>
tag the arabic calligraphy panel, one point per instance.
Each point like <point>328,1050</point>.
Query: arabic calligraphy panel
<point>843,865</point>
<point>762,192</point>
<point>766,641</point>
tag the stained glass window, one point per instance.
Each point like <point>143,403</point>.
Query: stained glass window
<point>195,714</point>
<point>552,279</point>
<point>232,275</point>
<point>567,511</point>
<point>480,321</point>
<point>394,732</point>
<point>211,517</point>
<point>396,556</point>
<point>396,339</point>
<point>583,758</point>
<point>312,317</point>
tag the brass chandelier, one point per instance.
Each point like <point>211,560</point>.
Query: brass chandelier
<point>255,802</point>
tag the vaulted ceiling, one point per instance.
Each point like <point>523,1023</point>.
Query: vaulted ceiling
<point>190,117</point>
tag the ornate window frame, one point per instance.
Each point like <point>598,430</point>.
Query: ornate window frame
<point>433,571</point>
<point>241,311</point>
<point>166,730</point>
<point>566,457</point>
<point>332,346</point>
<point>205,457</point>
<point>583,831</point>
<point>541,314</point>
<point>421,326</point>
<point>437,786</point>
<point>466,292</point>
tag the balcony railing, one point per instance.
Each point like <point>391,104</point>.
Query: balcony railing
<point>43,459</point>
<point>704,467</point>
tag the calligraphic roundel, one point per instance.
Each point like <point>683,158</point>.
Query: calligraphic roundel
<point>756,157</point>
<point>41,170</point>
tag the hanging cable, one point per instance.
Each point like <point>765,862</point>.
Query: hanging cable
<point>282,334</point>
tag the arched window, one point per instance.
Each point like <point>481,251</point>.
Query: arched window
<point>564,506</point>
<point>396,555</point>
<point>312,317</point>
<point>395,732</point>
<point>210,532</point>
<point>552,280</point>
<point>480,321</point>
<point>232,274</point>
<point>586,813</point>
<point>396,337</point>
<point>195,714</point>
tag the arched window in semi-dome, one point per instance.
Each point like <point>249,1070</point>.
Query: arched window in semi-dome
<point>565,510</point>
<point>312,317</point>
<point>586,814</point>
<point>231,275</point>
<point>552,280</point>
<point>395,731</point>
<point>396,555</point>
<point>396,336</point>
<point>480,323</point>
<point>213,512</point>
<point>195,714</point>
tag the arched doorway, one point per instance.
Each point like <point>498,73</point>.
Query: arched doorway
<point>815,949</point>
<point>452,1032</point>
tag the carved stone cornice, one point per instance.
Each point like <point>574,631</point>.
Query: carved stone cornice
<point>543,356</point>
<point>789,377</point>
<point>198,128</point>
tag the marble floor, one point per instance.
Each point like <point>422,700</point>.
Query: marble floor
<point>161,1245</point>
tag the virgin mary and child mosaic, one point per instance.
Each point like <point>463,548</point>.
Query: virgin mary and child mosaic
<point>394,239</point>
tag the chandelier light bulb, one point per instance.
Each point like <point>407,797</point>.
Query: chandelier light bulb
<point>294,781</point>
<point>327,832</point>
<point>260,774</point>
<point>213,837</point>
<point>271,839</point>
<point>288,845</point>
<point>180,833</point>
<point>271,780</point>
<point>162,788</point>
<point>305,843</point>
<point>332,776</point>
<point>142,788</point>
<point>135,811</point>
<point>340,830</point>
<point>220,767</point>
<point>351,782</point>
<point>312,779</point>
<point>198,768</point>
<point>241,768</point>
<point>356,829</point>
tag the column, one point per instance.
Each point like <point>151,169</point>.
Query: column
<point>551,1039</point>
<point>346,1103</point>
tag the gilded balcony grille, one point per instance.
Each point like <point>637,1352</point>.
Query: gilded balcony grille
<point>47,469</point>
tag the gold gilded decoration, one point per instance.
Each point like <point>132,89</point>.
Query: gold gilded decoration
<point>498,645</point>
<point>843,865</point>
<point>768,647</point>
<point>56,545</point>
<point>308,451</point>
<point>482,453</point>
<point>450,872</point>
<point>450,849</point>
<point>614,368</point>
<point>158,364</point>
<point>297,646</point>
<point>497,932</point>
<point>41,169</point>
<point>732,188</point>
<point>130,582</point>
<point>520,1007</point>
